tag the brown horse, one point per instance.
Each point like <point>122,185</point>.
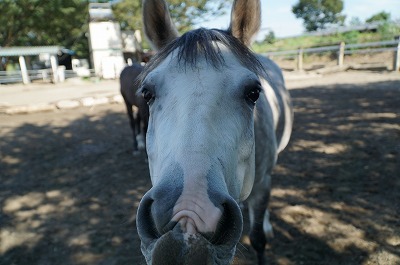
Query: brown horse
<point>138,120</point>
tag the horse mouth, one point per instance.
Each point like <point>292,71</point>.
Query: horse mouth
<point>179,243</point>
<point>175,247</point>
<point>184,237</point>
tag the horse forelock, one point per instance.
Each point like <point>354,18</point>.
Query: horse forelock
<point>201,43</point>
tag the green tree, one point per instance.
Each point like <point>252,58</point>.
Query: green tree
<point>43,22</point>
<point>355,21</point>
<point>270,37</point>
<point>65,22</point>
<point>317,14</point>
<point>128,13</point>
<point>381,16</point>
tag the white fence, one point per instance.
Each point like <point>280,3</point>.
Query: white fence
<point>344,49</point>
<point>16,76</point>
<point>45,75</point>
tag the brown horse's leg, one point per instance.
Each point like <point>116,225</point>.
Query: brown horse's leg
<point>133,126</point>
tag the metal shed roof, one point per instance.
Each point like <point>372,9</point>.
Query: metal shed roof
<point>33,50</point>
<point>100,12</point>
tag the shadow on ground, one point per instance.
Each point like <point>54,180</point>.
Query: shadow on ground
<point>70,187</point>
<point>69,192</point>
<point>335,189</point>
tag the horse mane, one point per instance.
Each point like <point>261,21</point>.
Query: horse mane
<point>200,42</point>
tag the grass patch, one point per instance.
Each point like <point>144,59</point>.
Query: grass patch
<point>384,32</point>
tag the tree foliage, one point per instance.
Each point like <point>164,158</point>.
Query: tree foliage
<point>65,22</point>
<point>381,17</point>
<point>270,37</point>
<point>355,21</point>
<point>128,13</point>
<point>43,22</point>
<point>318,14</point>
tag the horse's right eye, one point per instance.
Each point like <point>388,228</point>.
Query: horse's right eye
<point>147,95</point>
<point>253,95</point>
<point>253,92</point>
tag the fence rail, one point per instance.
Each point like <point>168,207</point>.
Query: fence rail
<point>46,75</point>
<point>340,49</point>
<point>344,49</point>
<point>10,77</point>
<point>16,76</point>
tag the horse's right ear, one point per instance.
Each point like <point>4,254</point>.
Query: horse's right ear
<point>157,22</point>
<point>245,20</point>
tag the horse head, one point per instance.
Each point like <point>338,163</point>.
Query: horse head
<point>201,89</point>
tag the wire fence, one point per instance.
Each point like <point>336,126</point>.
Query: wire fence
<point>343,49</point>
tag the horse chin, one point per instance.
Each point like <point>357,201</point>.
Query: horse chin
<point>177,248</point>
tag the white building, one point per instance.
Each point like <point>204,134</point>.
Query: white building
<point>105,42</point>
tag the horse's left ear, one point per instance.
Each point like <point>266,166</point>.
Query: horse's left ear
<point>245,20</point>
<point>157,22</point>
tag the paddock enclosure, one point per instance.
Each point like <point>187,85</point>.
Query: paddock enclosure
<point>69,186</point>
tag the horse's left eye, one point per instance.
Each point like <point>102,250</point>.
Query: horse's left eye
<point>147,95</point>
<point>253,94</point>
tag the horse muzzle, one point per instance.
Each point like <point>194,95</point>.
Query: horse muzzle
<point>169,240</point>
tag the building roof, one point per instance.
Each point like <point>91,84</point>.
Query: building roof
<point>32,50</point>
<point>100,12</point>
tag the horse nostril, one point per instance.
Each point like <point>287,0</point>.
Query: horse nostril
<point>230,226</point>
<point>155,212</point>
<point>144,220</point>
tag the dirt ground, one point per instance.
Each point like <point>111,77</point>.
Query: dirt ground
<point>69,186</point>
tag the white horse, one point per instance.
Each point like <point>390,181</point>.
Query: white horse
<point>219,116</point>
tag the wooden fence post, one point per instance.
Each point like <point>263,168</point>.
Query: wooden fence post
<point>396,61</point>
<point>24,70</point>
<point>300,59</point>
<point>54,66</point>
<point>340,60</point>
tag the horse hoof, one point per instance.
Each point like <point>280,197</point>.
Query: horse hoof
<point>141,142</point>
